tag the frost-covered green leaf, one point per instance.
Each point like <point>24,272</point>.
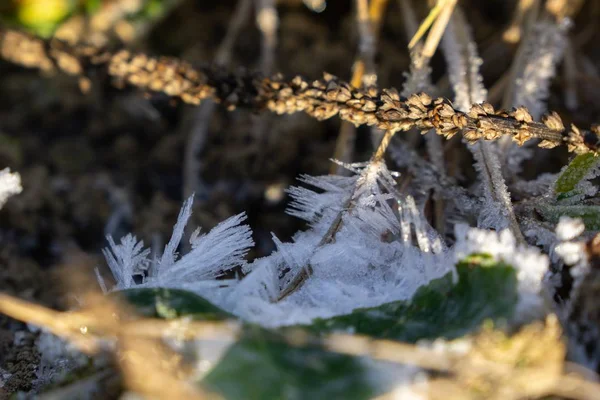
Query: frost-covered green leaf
<point>486,290</point>
<point>171,303</point>
<point>589,214</point>
<point>577,169</point>
<point>262,366</point>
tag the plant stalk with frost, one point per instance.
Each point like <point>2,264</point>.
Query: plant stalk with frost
<point>463,66</point>
<point>537,59</point>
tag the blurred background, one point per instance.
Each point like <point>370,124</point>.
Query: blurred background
<point>99,161</point>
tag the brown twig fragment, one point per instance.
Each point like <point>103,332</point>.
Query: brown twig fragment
<point>321,99</point>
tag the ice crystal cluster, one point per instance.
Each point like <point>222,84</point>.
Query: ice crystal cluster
<point>367,244</point>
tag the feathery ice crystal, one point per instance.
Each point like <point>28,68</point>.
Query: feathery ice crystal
<point>381,249</point>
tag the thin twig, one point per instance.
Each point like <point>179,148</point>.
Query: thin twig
<point>368,19</point>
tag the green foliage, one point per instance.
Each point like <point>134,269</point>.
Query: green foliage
<point>573,174</point>
<point>589,214</point>
<point>486,290</point>
<point>44,17</point>
<point>172,303</point>
<point>262,366</point>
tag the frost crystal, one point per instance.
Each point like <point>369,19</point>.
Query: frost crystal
<point>212,254</point>
<point>126,260</point>
<point>569,228</point>
<point>10,185</point>
<point>371,258</point>
<point>366,245</point>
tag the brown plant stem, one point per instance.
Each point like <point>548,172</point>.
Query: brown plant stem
<point>321,99</point>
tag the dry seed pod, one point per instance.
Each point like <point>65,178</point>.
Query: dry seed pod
<point>553,121</point>
<point>488,108</point>
<point>522,136</point>
<point>521,114</point>
<point>471,136</point>
<point>546,144</point>
<point>321,98</point>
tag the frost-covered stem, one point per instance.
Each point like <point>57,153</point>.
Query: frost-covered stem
<point>335,226</point>
<point>535,65</point>
<point>419,79</point>
<point>199,132</point>
<point>463,66</point>
<point>530,14</point>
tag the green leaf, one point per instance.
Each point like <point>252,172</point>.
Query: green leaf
<point>262,366</point>
<point>172,303</point>
<point>485,290</point>
<point>589,214</point>
<point>574,173</point>
<point>92,6</point>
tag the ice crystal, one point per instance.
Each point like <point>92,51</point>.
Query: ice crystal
<point>126,260</point>
<point>370,260</point>
<point>212,254</point>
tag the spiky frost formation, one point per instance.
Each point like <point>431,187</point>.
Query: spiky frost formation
<point>367,259</point>
<point>212,254</point>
